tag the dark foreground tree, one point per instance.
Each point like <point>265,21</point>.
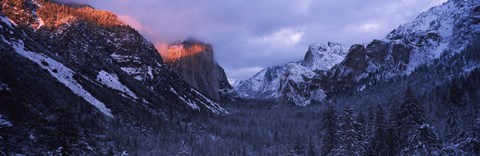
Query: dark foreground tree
<point>378,144</point>
<point>329,120</point>
<point>405,121</point>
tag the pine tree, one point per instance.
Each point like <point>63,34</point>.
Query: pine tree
<point>456,94</point>
<point>411,112</point>
<point>347,135</point>
<point>453,125</point>
<point>405,121</point>
<point>361,139</point>
<point>68,132</point>
<point>329,120</point>
<point>424,141</point>
<point>378,144</point>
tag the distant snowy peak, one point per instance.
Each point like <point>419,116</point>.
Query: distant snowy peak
<point>323,57</point>
<point>270,83</point>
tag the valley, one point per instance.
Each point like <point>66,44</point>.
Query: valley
<point>263,127</point>
<point>76,80</point>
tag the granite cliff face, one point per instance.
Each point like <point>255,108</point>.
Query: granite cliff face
<point>194,61</point>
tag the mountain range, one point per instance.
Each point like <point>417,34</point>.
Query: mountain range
<point>75,80</point>
<point>446,29</point>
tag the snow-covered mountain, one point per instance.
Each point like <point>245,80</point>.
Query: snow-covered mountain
<point>449,27</point>
<point>274,81</point>
<point>96,47</point>
<point>194,61</point>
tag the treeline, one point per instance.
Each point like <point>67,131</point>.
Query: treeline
<point>403,131</point>
<point>55,14</point>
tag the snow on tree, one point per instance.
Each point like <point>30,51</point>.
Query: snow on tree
<point>405,121</point>
<point>348,135</point>
<point>424,141</point>
<point>360,126</point>
<point>410,114</point>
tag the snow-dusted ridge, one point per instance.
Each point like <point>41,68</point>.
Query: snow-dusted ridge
<point>447,27</point>
<point>62,73</point>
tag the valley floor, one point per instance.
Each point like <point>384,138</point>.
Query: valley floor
<point>262,128</point>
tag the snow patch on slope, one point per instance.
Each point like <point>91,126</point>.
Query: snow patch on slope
<point>135,72</point>
<point>112,81</point>
<point>62,73</point>
<point>125,58</point>
<point>186,100</point>
<point>4,122</point>
<point>7,21</point>
<point>213,106</point>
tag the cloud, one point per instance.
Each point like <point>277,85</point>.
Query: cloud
<point>258,33</point>
<point>283,37</point>
<point>161,47</point>
<point>131,21</point>
<point>243,73</point>
<point>369,27</point>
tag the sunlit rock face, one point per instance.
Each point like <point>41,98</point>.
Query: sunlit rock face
<point>194,61</point>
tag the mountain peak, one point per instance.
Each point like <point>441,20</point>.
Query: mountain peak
<point>194,61</point>
<point>188,48</point>
<point>322,57</point>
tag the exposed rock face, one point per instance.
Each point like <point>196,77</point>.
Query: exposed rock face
<point>194,61</point>
<point>357,58</point>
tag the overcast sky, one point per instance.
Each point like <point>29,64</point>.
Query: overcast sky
<point>248,35</point>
